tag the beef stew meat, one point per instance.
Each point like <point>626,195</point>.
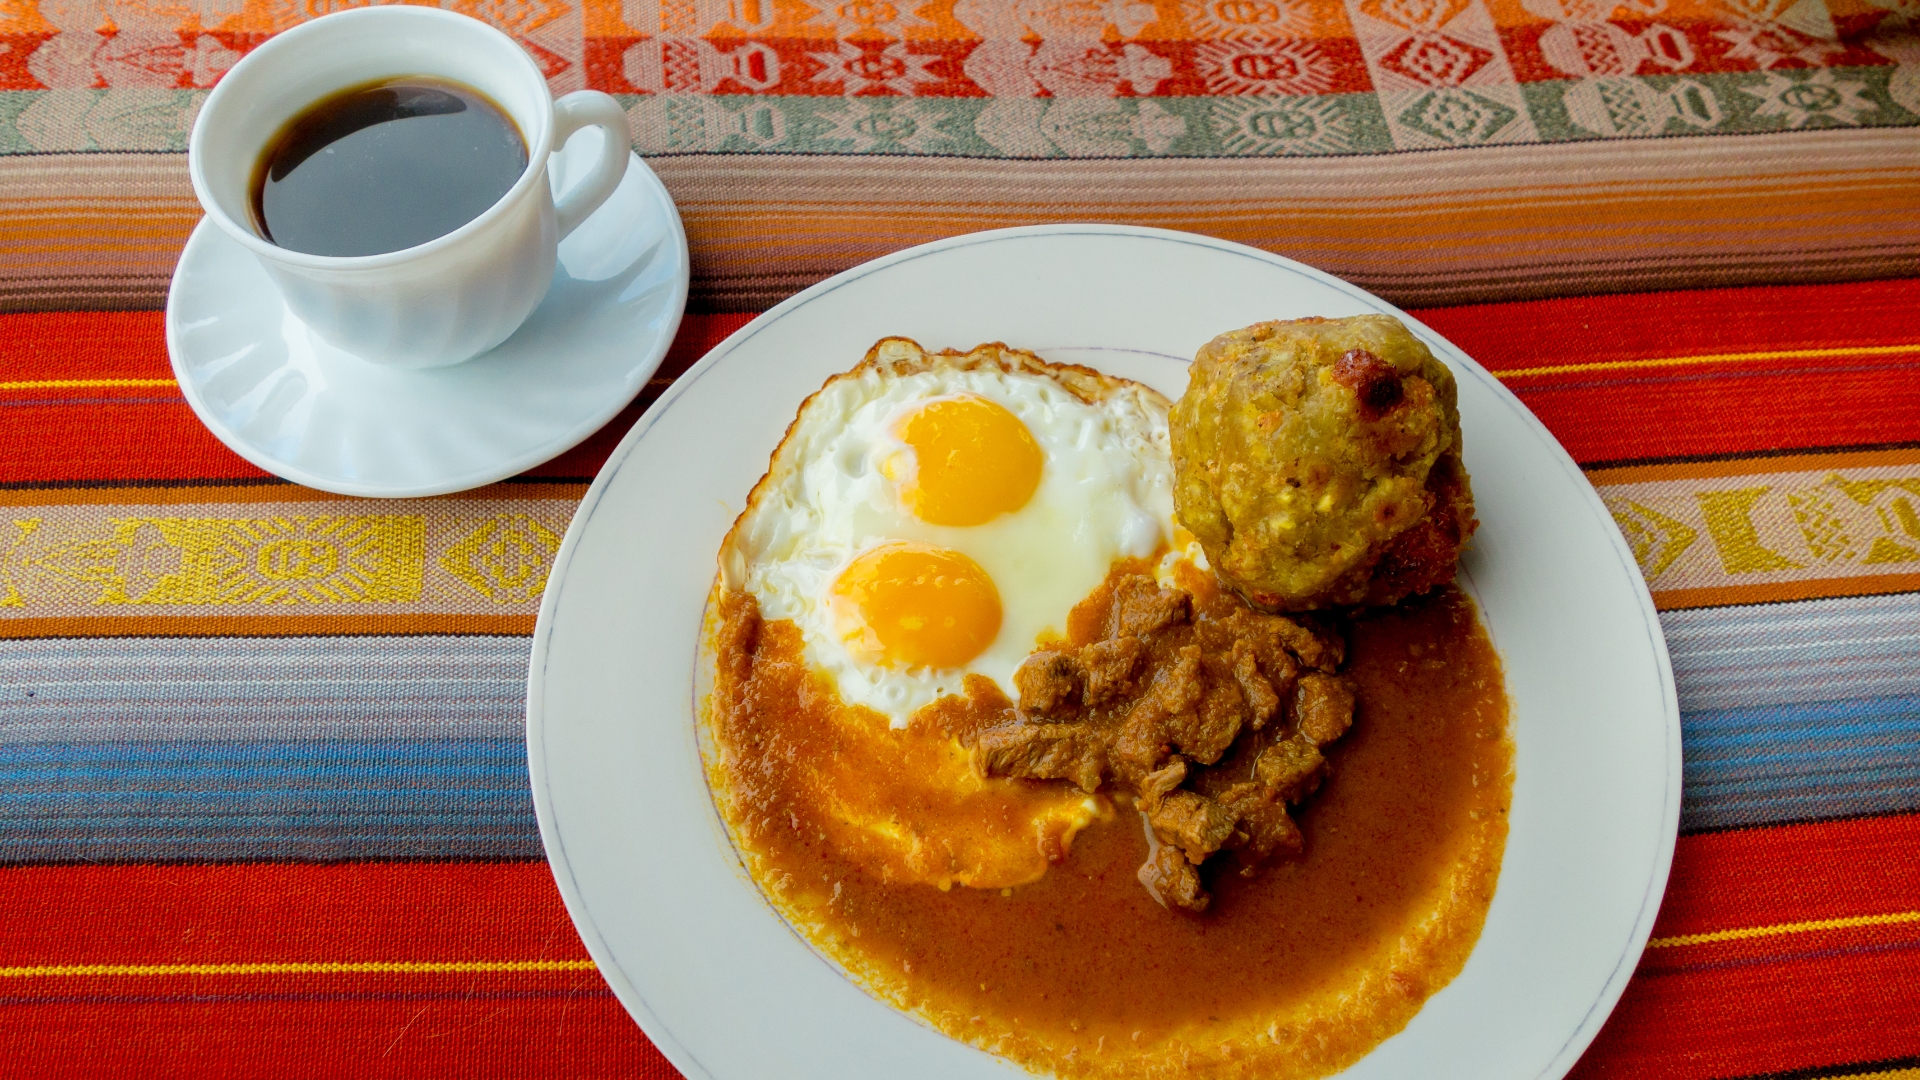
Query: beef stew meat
<point>1210,715</point>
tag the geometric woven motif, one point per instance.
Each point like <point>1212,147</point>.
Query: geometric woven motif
<point>1719,539</point>
<point>319,557</point>
<point>1049,78</point>
<point>204,561</point>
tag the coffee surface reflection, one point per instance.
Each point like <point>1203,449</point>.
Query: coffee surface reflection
<point>385,166</point>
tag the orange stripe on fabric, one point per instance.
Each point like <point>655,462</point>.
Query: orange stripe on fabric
<point>324,967</point>
<point>1590,236</point>
<point>1783,591</point>
<point>1500,233</point>
<point>1713,204</point>
<point>1808,927</point>
<point>1380,200</point>
<point>1748,466</point>
<point>113,439</point>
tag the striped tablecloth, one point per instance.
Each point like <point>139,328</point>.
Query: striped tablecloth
<point>266,814</point>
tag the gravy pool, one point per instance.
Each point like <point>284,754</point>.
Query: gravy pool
<point>1292,974</point>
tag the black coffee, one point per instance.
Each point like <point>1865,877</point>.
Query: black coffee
<point>385,166</point>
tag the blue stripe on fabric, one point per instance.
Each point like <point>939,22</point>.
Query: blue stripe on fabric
<point>407,748</point>
<point>1796,712</point>
<point>230,749</point>
<point>306,799</point>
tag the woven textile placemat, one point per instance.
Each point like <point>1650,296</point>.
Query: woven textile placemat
<point>1432,151</point>
<point>259,822</point>
<point>263,796</point>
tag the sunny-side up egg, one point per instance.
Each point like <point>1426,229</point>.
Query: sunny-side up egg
<point>925,520</point>
<point>931,518</point>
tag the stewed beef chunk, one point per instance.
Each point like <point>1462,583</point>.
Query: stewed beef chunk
<point>1210,714</point>
<point>1043,752</point>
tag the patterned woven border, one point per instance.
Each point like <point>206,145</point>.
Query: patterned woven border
<point>116,561</point>
<point>1208,127</point>
<point>254,561</point>
<point>1557,110</point>
<point>1051,78</point>
<point>1771,529</point>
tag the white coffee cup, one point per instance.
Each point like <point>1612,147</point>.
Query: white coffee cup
<point>453,297</point>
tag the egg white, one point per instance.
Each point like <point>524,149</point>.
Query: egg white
<point>1105,493</point>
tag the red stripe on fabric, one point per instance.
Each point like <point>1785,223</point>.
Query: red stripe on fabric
<point>166,914</point>
<point>1597,329</point>
<point>1793,873</point>
<point>149,433</point>
<point>148,440</point>
<point>1666,413</point>
<point>491,1024</point>
<point>475,1038</point>
<point>1706,409</point>
<point>1535,333</point>
<point>1757,1011</point>
<point>83,345</point>
<point>1601,416</point>
<point>1784,1001</point>
<point>1822,1008</point>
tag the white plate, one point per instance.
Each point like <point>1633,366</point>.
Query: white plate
<point>314,414</point>
<point>714,976</point>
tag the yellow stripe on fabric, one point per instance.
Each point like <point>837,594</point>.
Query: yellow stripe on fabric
<point>1515,373</point>
<point>1710,358</point>
<point>1890,1074</point>
<point>1747,932</point>
<point>374,967</point>
<point>75,384</point>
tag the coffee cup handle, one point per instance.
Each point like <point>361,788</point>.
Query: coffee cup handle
<point>582,109</point>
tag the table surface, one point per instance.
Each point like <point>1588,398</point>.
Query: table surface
<point>263,798</point>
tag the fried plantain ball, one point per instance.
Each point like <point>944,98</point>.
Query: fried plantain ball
<point>1318,462</point>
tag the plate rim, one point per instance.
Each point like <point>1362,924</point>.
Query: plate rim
<point>205,232</point>
<point>559,865</point>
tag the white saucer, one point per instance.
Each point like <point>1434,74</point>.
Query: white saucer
<point>301,409</point>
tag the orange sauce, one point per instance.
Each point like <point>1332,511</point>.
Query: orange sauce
<point>1294,973</point>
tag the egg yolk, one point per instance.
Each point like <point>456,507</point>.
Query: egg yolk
<point>913,605</point>
<point>973,461</point>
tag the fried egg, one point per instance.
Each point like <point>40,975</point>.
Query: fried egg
<point>927,521</point>
<point>934,516</point>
